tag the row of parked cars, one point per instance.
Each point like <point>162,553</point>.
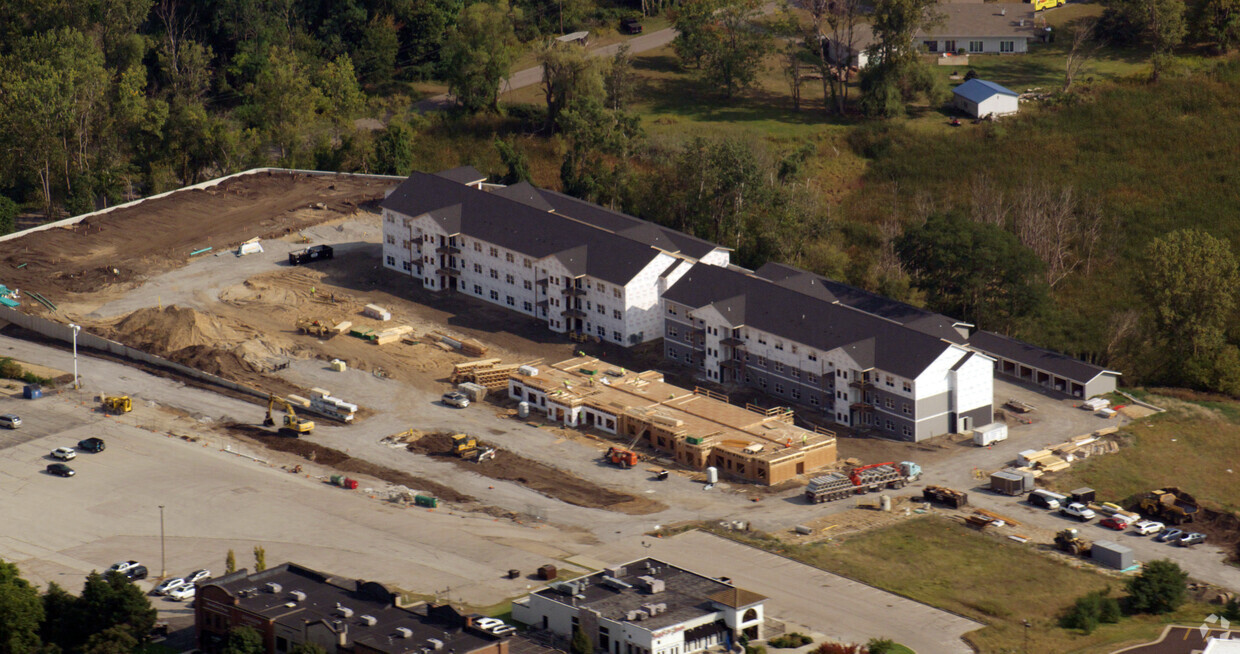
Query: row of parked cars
<point>177,588</point>
<point>1116,519</point>
<point>94,445</point>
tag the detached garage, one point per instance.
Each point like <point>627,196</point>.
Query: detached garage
<point>980,99</point>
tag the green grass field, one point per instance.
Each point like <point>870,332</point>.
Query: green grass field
<point>997,582</point>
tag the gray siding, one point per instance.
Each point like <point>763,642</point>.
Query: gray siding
<point>934,404</point>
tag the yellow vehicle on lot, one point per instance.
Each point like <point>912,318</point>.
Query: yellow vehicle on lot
<point>1039,5</point>
<point>117,404</point>
<point>293,424</point>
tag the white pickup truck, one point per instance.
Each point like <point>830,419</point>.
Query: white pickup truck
<point>1078,511</point>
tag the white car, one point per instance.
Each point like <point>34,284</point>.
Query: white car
<point>183,593</point>
<point>487,624</point>
<point>1078,511</point>
<point>64,453</point>
<point>197,576</point>
<point>456,399</point>
<point>168,585</point>
<point>1147,527</point>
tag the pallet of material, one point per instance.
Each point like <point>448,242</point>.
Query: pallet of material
<point>391,334</point>
<point>494,378</point>
<point>473,347</point>
<point>465,371</point>
<point>377,312</point>
<point>342,326</point>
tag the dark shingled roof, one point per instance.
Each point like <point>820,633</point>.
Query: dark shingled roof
<point>634,228</point>
<point>518,218</point>
<point>828,290</point>
<point>462,175</point>
<point>1055,363</point>
<point>747,299</point>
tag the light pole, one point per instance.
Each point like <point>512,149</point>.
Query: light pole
<point>76,328</point>
<point>163,568</point>
<point>1027,626</point>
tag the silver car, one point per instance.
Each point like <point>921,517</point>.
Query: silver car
<point>9,420</point>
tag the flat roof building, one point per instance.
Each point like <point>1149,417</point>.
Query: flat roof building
<point>291,604</point>
<point>698,428</point>
<point>646,607</point>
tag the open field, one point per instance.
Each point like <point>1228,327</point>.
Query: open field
<point>991,580</point>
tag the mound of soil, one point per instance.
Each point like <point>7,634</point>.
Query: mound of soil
<point>538,477</point>
<point>338,460</point>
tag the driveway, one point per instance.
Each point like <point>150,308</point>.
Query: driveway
<point>802,595</point>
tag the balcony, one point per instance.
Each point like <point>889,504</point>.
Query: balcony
<point>861,383</point>
<point>733,341</point>
<point>732,364</point>
<point>861,406</point>
<point>573,313</point>
<point>450,272</point>
<point>575,291</point>
<point>447,249</point>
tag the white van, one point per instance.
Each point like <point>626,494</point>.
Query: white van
<point>1046,499</point>
<point>10,421</point>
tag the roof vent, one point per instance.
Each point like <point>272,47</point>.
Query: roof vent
<point>434,643</point>
<point>273,587</point>
<point>370,620</point>
<point>404,632</point>
<point>290,605</point>
<point>615,571</point>
<point>612,582</point>
<point>344,610</point>
<point>298,596</point>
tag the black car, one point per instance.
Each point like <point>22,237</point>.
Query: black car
<point>630,26</point>
<point>60,469</point>
<point>137,572</point>
<point>92,445</point>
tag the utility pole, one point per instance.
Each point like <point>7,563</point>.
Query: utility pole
<point>163,567</point>
<point>1027,626</point>
<point>76,328</point>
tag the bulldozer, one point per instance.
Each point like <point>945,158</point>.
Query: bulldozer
<point>1070,541</point>
<point>1170,505</point>
<point>464,446</point>
<point>293,424</point>
<point>315,327</point>
<point>117,404</point>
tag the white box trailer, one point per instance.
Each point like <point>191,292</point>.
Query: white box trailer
<point>989,434</point>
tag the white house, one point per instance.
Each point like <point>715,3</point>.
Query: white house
<point>966,28</point>
<point>646,607</point>
<point>575,265</point>
<point>979,98</point>
<point>862,360</point>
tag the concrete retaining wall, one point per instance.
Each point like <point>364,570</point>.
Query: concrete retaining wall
<point>85,339</point>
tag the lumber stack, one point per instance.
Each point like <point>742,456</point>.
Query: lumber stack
<point>391,335</point>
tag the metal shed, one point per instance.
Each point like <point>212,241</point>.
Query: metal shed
<point>1112,555</point>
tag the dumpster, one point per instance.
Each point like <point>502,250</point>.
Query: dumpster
<point>428,501</point>
<point>32,391</point>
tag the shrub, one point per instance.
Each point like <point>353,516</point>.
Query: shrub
<point>790,641</point>
<point>1090,610</point>
<point>755,649</point>
<point>840,648</point>
<point>881,646</point>
<point>1160,588</point>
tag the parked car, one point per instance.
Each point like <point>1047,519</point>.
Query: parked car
<point>1046,499</point>
<point>64,453</point>
<point>10,421</point>
<point>1114,522</point>
<point>124,566</point>
<point>456,399</point>
<point>503,630</point>
<point>60,470</point>
<point>1169,535</point>
<point>487,624</point>
<point>168,585</point>
<point>197,576</point>
<point>1190,539</point>
<point>630,26</point>
<point>183,593</point>
<point>1147,527</point>
<point>1078,511</point>
<point>92,444</point>
<point>136,573</point>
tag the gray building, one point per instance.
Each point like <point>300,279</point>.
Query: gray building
<point>1041,367</point>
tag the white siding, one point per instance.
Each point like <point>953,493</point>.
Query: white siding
<point>974,384</point>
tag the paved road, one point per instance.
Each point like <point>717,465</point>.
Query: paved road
<point>1180,640</point>
<point>823,602</point>
<point>532,76</point>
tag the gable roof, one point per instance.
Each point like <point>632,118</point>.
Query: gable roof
<point>750,300</point>
<point>964,20</point>
<point>1055,363</point>
<point>463,175</point>
<point>635,228</point>
<point>978,90</point>
<point>736,598</point>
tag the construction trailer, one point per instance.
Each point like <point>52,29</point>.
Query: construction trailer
<point>1112,555</point>
<point>1011,481</point>
<point>989,434</point>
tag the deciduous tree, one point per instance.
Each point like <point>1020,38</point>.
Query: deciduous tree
<point>21,612</point>
<point>570,75</point>
<point>477,54</point>
<point>1191,279</point>
<point>1160,588</point>
<point>895,75</point>
<point>244,640</point>
<point>1217,22</point>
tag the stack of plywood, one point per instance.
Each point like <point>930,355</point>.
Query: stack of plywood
<point>377,312</point>
<point>463,372</point>
<point>496,377</point>
<point>473,348</point>
<point>391,335</point>
<point>1044,460</point>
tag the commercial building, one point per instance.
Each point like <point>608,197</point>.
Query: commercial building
<point>862,360</point>
<point>646,607</point>
<point>699,428</point>
<point>291,604</point>
<point>579,267</point>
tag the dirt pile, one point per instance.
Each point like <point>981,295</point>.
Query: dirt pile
<point>536,476</point>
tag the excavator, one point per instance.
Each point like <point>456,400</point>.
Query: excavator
<point>117,404</point>
<point>292,424</point>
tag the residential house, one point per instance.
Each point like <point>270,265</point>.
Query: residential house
<point>966,28</point>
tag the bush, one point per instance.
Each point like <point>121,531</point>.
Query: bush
<point>1090,610</point>
<point>790,641</point>
<point>840,648</point>
<point>881,646</point>
<point>1160,588</point>
<point>755,649</point>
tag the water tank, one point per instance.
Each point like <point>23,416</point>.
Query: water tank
<point>712,475</point>
<point>523,410</point>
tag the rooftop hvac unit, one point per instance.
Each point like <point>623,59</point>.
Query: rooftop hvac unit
<point>528,371</point>
<point>344,611</point>
<point>434,643</point>
<point>298,596</point>
<point>615,583</point>
<point>273,587</point>
<point>641,615</point>
<point>615,571</point>
<point>404,632</point>
<point>631,616</point>
<point>370,620</point>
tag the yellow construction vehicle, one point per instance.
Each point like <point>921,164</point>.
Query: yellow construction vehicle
<point>315,327</point>
<point>1070,541</point>
<point>292,424</point>
<point>464,446</point>
<point>117,404</point>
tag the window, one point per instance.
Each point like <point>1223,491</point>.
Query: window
<point>779,367</point>
<point>406,265</point>
<point>404,244</point>
<point>494,274</point>
<point>391,239</point>
<point>511,301</point>
<point>602,309</point>
<point>812,356</point>
<point>509,258</point>
<point>495,295</point>
<point>762,382</point>
<point>671,310</point>
<point>477,246</point>
<point>779,388</point>
<point>812,378</point>
<point>477,289</point>
<point>906,408</point>
<point>616,292</point>
<point>529,286</point>
<point>391,261</point>
<point>615,336</point>
<point>689,359</point>
<point>932,46</point>
<point>975,46</point>
<point>891,404</point>
<point>891,381</point>
<point>908,387</point>
<point>906,431</point>
<point>779,345</point>
<point>671,331</point>
<point>495,252</point>
<point>796,374</point>
<point>671,354</point>
<point>890,425</point>
<point>528,263</point>
<point>748,378</point>
<point>509,279</point>
<point>601,287</point>
<point>796,393</point>
<point>528,306</point>
<point>813,400</point>
<point>762,340</point>
<point>762,362</point>
<point>602,331</point>
<point>1007,46</point>
<point>615,313</point>
<point>478,268</point>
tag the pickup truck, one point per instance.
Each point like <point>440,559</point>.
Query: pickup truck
<point>313,253</point>
<point>1078,511</point>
